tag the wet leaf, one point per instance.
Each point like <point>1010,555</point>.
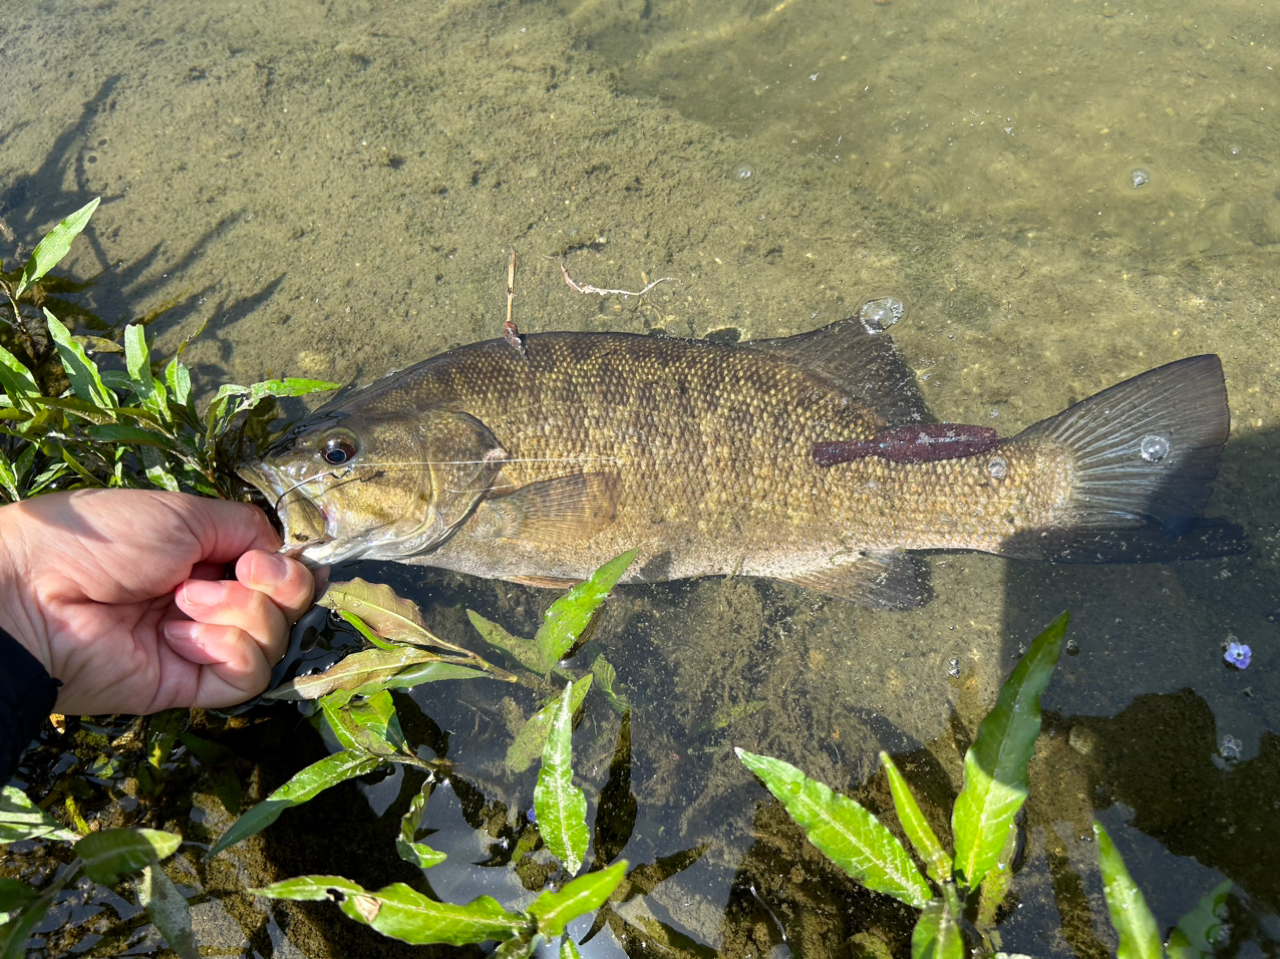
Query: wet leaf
<point>121,435</point>
<point>388,615</point>
<point>368,724</point>
<point>995,766</point>
<point>97,344</point>
<point>110,852</point>
<point>359,669</point>
<point>304,785</point>
<point>428,672</point>
<point>18,383</point>
<point>56,244</point>
<point>178,378</point>
<point>560,805</point>
<point>936,935</point>
<point>517,947</point>
<point>21,819</point>
<point>402,913</point>
<point>168,909</point>
<point>845,832</point>
<point>527,747</point>
<point>1200,932</point>
<point>569,949</point>
<point>555,910</point>
<point>1136,926</point>
<point>915,825</point>
<point>410,850</point>
<point>571,613</point>
<point>86,383</point>
<point>607,677</point>
<point>523,651</point>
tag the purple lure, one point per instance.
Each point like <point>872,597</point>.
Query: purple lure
<point>923,443</point>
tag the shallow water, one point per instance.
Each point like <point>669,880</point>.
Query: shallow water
<point>1065,195</point>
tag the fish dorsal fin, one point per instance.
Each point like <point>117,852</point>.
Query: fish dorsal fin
<point>886,580</point>
<point>865,365</point>
<point>561,510</point>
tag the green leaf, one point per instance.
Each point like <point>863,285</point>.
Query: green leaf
<point>122,435</point>
<point>15,933</point>
<point>555,910</point>
<point>178,378</point>
<point>14,894</point>
<point>168,909</point>
<point>137,358</point>
<point>369,725</point>
<point>387,614</point>
<point>560,805</point>
<point>82,371</point>
<point>517,947</point>
<point>569,949</point>
<point>420,673</point>
<point>359,669</point>
<point>527,747</point>
<point>843,831</point>
<point>402,913</point>
<point>936,935</point>
<point>1136,926</point>
<point>56,244</point>
<point>110,852</point>
<point>915,825</point>
<point>571,613</point>
<point>995,766</point>
<point>523,651</point>
<point>304,785</point>
<point>1200,932</point>
<point>21,819</point>
<point>407,845</point>
<point>607,677</point>
<point>18,383</point>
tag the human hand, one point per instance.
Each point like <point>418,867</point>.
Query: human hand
<point>122,595</point>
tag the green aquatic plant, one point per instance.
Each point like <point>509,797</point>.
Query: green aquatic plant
<point>984,818</point>
<point>355,701</point>
<point>65,423</point>
<point>104,857</point>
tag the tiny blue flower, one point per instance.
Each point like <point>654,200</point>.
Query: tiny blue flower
<point>531,815</point>
<point>1238,655</point>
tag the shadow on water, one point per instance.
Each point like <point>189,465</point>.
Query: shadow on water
<point>1151,730</point>
<point>60,185</point>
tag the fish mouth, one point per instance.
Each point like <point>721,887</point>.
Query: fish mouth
<point>305,526</point>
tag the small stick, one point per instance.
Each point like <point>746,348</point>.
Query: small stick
<point>509,331</point>
<point>588,288</point>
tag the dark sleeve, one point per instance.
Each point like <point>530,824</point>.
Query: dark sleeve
<point>27,696</point>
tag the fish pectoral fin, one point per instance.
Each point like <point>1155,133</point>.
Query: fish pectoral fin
<point>549,512</point>
<point>886,580</point>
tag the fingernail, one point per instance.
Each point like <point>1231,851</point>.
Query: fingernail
<point>268,569</point>
<point>204,592</point>
<point>181,629</point>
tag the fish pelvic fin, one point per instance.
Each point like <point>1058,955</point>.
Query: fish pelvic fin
<point>1146,453</point>
<point>882,580</point>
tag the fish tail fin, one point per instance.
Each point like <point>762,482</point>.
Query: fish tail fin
<point>1146,453</point>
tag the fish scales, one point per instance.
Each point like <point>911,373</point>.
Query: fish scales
<point>543,464</point>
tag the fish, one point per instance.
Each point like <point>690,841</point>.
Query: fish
<point>809,459</point>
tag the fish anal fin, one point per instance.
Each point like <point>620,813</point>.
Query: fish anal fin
<point>884,580</point>
<point>865,365</point>
<point>549,512</point>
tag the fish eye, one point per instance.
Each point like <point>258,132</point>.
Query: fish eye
<point>339,449</point>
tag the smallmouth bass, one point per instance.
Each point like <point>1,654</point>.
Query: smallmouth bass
<point>539,465</point>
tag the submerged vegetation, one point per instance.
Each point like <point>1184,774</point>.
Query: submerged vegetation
<point>67,423</point>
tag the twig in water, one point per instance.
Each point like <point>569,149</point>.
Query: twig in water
<point>588,288</point>
<point>509,331</point>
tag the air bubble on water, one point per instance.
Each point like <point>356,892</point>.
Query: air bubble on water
<point>997,467</point>
<point>1235,151</point>
<point>879,313</point>
<point>953,667</point>
<point>1230,748</point>
<point>1073,648</point>
<point>1139,177</point>
<point>1154,447</point>
<point>744,172</point>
